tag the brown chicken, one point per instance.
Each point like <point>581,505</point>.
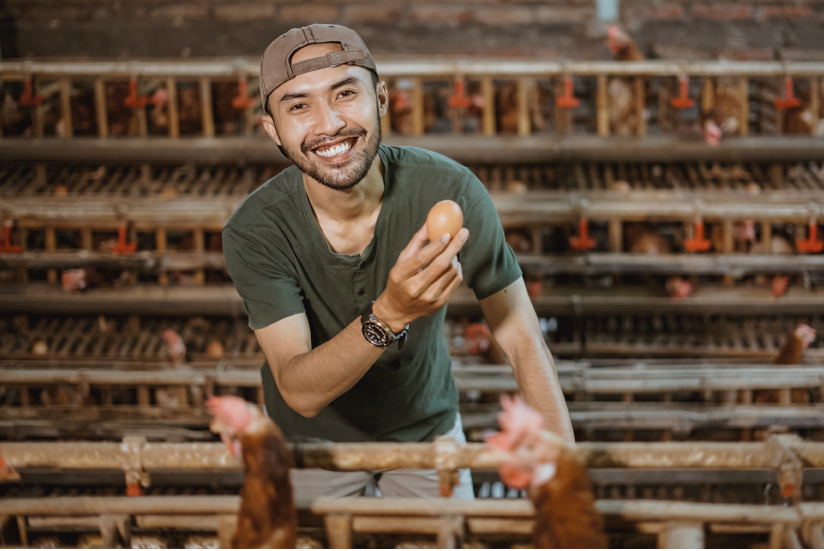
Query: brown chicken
<point>790,354</point>
<point>267,518</point>
<point>725,117</point>
<point>642,239</point>
<point>623,115</point>
<point>565,513</point>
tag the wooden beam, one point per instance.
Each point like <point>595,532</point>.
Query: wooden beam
<point>640,96</point>
<point>418,123</point>
<point>524,124</point>
<point>100,110</point>
<point>744,99</point>
<point>816,129</point>
<point>173,111</point>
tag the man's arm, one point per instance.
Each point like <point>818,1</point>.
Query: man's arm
<point>512,318</point>
<point>419,284</point>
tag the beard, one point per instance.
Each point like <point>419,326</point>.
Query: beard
<point>348,174</point>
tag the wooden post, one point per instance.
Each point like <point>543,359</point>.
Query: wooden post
<point>616,235</point>
<point>23,529</point>
<point>339,531</point>
<point>199,242</point>
<point>602,106</point>
<point>226,526</point>
<point>161,246</point>
<point>143,396</point>
<point>171,105</point>
<point>681,535</point>
<point>766,237</point>
<point>25,400</point>
<point>785,396</point>
<point>640,97</point>
<point>729,242</point>
<point>51,246</point>
<point>776,535</point>
<point>37,112</point>
<point>418,123</point>
<point>66,107</point>
<point>524,127</point>
<point>206,116</point>
<point>86,239</point>
<point>100,113</point>
<point>815,106</point>
<point>488,93</point>
<point>450,532</point>
<point>744,98</point>
<point>708,96</point>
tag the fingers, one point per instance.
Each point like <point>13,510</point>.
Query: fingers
<point>453,275</point>
<point>439,264</point>
<point>424,256</point>
<point>415,245</point>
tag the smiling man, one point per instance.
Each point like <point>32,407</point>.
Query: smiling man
<point>343,289</point>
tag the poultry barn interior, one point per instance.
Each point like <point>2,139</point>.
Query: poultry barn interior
<point>658,172</point>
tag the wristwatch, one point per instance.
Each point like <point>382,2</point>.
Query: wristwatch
<point>377,332</point>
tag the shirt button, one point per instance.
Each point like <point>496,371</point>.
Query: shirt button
<point>361,292</point>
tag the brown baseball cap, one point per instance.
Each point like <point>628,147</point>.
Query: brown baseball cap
<point>276,65</point>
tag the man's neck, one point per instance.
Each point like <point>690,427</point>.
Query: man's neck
<point>351,204</point>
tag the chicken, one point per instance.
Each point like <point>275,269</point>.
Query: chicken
<point>678,288</point>
<point>724,119</point>
<point>797,342</point>
<point>623,115</point>
<point>267,517</point>
<point>175,347</point>
<point>743,235</point>
<point>790,354</point>
<point>565,512</point>
<point>480,342</point>
<point>642,239</point>
<point>800,120</point>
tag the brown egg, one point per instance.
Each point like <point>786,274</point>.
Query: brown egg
<point>445,217</point>
<point>40,348</point>
<point>214,350</point>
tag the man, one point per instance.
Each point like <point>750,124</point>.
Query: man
<point>344,291</point>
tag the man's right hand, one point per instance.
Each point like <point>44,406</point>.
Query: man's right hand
<point>422,279</point>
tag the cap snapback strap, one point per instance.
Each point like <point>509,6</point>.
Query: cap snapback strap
<point>331,59</point>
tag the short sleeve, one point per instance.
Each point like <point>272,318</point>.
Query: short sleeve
<point>263,277</point>
<point>488,262</point>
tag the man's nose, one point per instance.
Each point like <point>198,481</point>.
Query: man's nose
<point>328,121</point>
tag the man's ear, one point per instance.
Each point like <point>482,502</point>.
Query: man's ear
<point>269,125</point>
<point>383,98</point>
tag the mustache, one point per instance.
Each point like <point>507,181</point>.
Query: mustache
<point>358,132</point>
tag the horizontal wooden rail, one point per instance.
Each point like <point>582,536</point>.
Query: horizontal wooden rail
<point>378,456</point>
<point>433,67</point>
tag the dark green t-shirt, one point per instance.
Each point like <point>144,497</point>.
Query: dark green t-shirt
<point>282,265</point>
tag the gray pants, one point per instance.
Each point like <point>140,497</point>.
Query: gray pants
<point>309,484</point>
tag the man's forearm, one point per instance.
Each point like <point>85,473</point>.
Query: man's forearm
<point>308,382</point>
<point>539,386</point>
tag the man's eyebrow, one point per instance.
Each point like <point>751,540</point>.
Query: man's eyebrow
<point>299,95</point>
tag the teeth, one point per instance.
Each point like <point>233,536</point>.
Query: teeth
<point>336,150</point>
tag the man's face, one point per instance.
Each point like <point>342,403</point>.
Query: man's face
<point>328,121</point>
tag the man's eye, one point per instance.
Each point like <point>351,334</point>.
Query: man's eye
<point>297,106</point>
<point>346,93</point>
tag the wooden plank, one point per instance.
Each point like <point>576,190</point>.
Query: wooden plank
<point>602,105</point>
<point>100,111</point>
<point>616,235</point>
<point>206,115</point>
<point>339,531</point>
<point>66,107</point>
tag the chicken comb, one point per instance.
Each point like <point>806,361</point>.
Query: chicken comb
<point>230,411</point>
<point>517,420</point>
<point>806,333</point>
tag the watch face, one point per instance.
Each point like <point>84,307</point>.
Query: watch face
<point>375,335</point>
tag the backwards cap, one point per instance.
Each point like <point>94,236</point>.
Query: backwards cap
<point>276,65</point>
